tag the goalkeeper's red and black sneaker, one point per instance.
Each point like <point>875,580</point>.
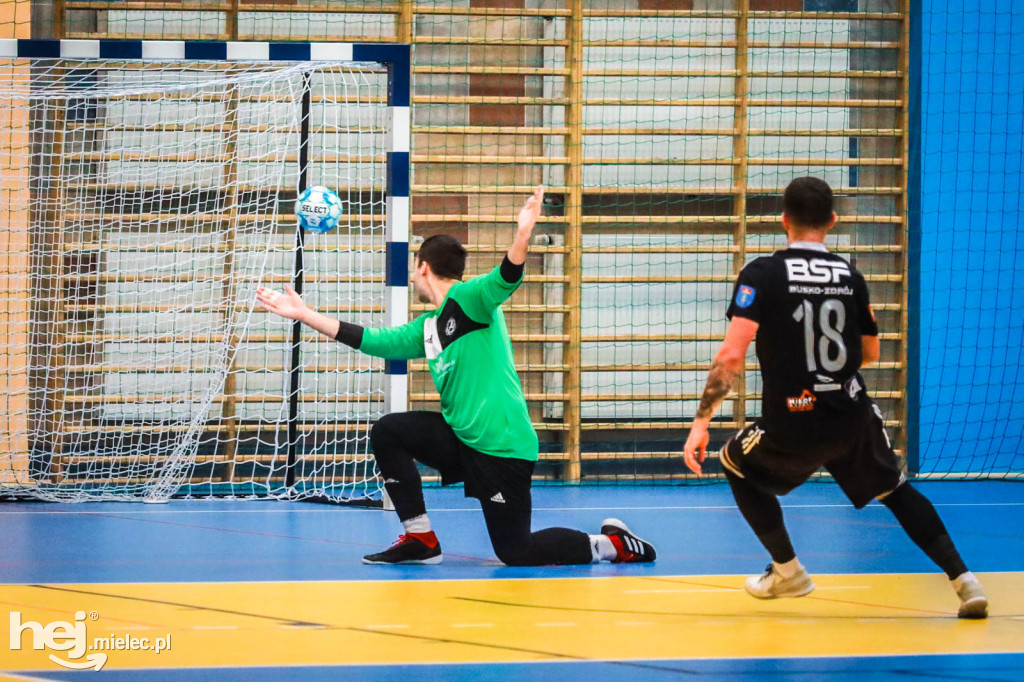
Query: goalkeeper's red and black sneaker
<point>629,548</point>
<point>411,548</point>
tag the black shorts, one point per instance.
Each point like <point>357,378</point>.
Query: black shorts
<point>430,440</point>
<point>498,479</point>
<point>859,457</point>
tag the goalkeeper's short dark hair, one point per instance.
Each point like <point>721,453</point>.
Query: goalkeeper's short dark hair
<point>445,255</point>
<point>807,202</point>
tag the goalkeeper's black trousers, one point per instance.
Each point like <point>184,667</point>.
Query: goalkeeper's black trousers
<point>501,484</point>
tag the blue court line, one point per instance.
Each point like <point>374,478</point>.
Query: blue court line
<point>989,667</point>
<point>696,529</point>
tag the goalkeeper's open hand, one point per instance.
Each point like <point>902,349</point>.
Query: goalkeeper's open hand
<point>529,214</point>
<point>288,304</point>
<point>524,226</point>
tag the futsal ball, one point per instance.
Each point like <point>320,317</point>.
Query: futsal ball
<point>318,209</point>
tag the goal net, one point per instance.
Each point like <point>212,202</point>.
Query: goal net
<point>143,202</point>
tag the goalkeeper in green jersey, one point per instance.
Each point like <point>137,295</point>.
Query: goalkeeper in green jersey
<point>483,435</point>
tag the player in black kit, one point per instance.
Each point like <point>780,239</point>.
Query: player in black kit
<point>809,313</point>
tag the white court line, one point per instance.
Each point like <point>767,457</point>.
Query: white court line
<point>374,581</point>
<point>667,507</point>
<point>334,510</point>
<point>737,589</point>
<point>717,589</point>
<point>214,627</point>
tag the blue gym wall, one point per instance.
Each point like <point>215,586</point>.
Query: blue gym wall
<point>967,217</point>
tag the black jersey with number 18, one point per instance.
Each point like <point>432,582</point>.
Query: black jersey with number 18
<point>812,308</point>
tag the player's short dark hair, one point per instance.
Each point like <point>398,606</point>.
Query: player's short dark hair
<point>445,255</point>
<point>807,202</point>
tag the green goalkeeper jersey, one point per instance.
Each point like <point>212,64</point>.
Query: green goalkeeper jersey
<point>469,352</point>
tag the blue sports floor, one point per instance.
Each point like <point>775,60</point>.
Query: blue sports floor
<point>271,590</point>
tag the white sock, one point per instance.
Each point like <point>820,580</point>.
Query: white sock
<point>965,577</point>
<point>417,524</point>
<point>788,569</point>
<point>601,548</point>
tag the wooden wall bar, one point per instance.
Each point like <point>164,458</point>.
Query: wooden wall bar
<point>14,259</point>
<point>606,103</point>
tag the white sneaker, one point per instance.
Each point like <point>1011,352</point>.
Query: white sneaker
<point>771,585</point>
<point>973,602</point>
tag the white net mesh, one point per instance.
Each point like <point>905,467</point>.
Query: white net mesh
<point>143,204</point>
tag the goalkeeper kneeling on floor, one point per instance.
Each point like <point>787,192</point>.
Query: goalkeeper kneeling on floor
<point>483,435</point>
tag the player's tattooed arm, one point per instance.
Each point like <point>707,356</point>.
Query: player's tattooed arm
<point>727,365</point>
<point>721,379</point>
<point>725,369</point>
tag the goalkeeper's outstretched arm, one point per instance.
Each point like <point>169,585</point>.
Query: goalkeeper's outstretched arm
<point>290,305</point>
<point>524,226</point>
<point>481,295</point>
<point>403,342</point>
